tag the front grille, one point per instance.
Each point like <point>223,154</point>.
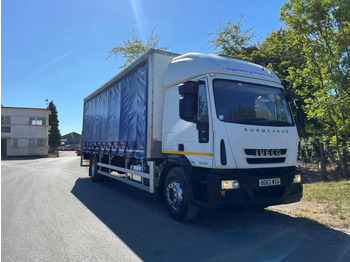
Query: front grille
<point>252,152</point>
<point>266,160</point>
<point>265,156</point>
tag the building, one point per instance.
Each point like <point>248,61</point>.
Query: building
<point>71,140</point>
<point>24,131</point>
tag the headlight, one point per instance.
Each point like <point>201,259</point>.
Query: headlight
<point>229,184</point>
<point>297,179</point>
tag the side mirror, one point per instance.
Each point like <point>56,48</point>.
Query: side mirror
<point>186,108</point>
<point>188,88</point>
<point>293,97</point>
<point>300,114</point>
<point>188,101</point>
<point>297,101</point>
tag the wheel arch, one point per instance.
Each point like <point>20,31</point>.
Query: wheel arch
<point>171,162</point>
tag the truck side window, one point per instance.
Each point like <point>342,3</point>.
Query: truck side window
<point>202,104</point>
<point>202,116</point>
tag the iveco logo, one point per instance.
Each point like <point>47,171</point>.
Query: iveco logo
<point>268,152</point>
<point>266,130</point>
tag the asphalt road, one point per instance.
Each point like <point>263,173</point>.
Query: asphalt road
<point>51,211</point>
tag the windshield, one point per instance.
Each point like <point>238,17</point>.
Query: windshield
<point>252,104</point>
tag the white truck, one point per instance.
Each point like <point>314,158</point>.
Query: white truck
<point>198,129</point>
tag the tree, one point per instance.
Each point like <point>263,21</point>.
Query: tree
<point>54,132</point>
<point>231,40</point>
<point>135,47</point>
<point>280,54</point>
<point>321,30</point>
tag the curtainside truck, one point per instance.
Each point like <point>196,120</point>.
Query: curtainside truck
<point>200,130</point>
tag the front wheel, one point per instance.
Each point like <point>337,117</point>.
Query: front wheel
<point>177,196</point>
<point>95,177</point>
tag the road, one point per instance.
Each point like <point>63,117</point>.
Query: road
<point>51,211</point>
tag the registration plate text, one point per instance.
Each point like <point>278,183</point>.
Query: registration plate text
<point>269,182</point>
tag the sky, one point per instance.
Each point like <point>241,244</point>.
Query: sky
<point>57,50</point>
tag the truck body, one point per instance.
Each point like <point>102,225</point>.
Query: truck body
<point>198,129</point>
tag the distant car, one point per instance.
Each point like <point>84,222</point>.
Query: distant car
<point>68,147</point>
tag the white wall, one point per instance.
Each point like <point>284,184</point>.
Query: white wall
<point>23,131</point>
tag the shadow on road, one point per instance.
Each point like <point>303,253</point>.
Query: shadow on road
<point>141,221</point>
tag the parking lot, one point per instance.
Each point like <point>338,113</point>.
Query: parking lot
<point>51,211</point>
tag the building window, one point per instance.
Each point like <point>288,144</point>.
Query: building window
<point>15,142</point>
<point>5,129</point>
<point>37,121</point>
<point>5,120</point>
<point>31,142</point>
<point>41,142</point>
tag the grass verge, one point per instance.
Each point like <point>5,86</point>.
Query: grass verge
<point>327,203</point>
<point>336,196</point>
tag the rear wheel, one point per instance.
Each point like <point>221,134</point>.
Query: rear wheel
<point>95,177</point>
<point>177,196</point>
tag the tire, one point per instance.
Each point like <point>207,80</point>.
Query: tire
<point>177,196</point>
<point>95,177</point>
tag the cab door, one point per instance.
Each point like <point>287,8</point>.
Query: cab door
<point>195,141</point>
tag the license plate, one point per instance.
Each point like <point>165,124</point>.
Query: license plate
<point>269,182</point>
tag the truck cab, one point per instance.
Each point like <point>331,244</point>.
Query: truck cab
<point>230,123</point>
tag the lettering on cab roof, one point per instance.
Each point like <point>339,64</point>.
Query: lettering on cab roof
<point>250,72</point>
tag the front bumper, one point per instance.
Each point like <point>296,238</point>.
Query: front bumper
<point>250,193</point>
